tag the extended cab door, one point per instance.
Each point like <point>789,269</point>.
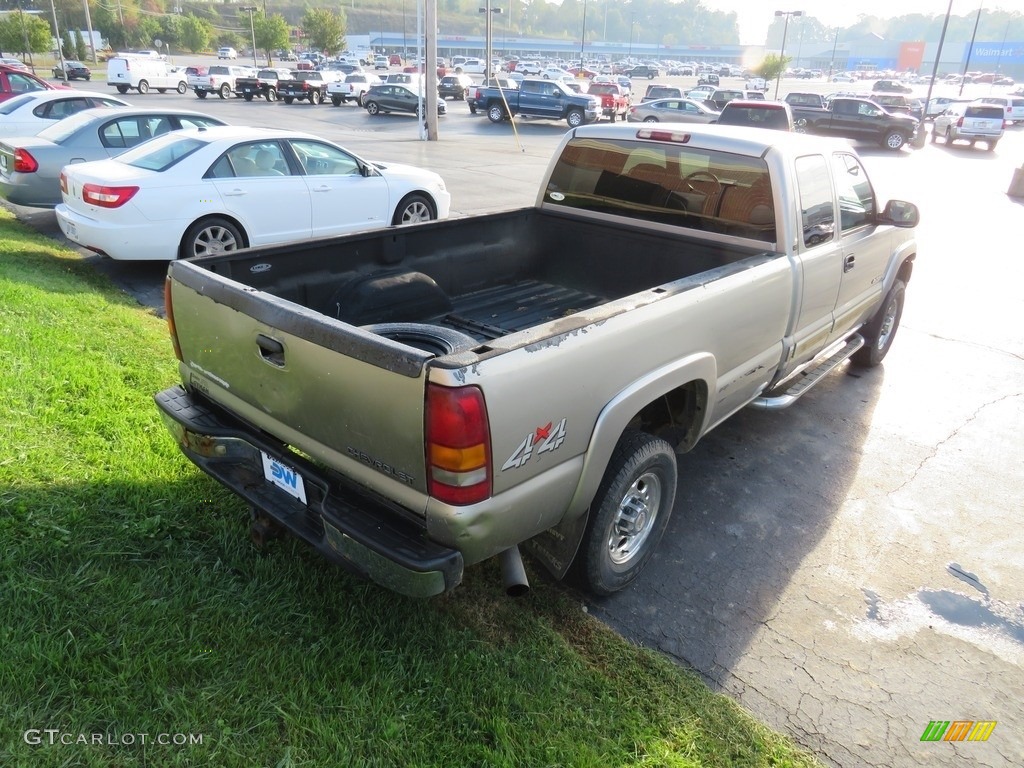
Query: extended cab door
<point>865,251</point>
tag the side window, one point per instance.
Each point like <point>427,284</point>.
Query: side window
<point>22,84</point>
<point>318,159</point>
<point>818,219</point>
<point>56,110</point>
<point>121,133</point>
<point>856,198</point>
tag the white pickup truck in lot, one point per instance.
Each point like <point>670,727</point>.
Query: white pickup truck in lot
<point>413,401</point>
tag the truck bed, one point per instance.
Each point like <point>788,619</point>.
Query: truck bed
<point>486,276</point>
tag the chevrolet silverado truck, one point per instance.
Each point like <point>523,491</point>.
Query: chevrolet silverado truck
<point>219,79</point>
<point>551,99</point>
<point>413,401</point>
<point>308,86</point>
<point>858,119</point>
<point>262,84</point>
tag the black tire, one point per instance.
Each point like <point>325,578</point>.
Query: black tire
<point>495,113</point>
<point>182,88</point>
<point>271,94</point>
<point>289,99</point>
<point>201,94</point>
<point>894,140</point>
<point>143,87</point>
<point>430,338</point>
<point>88,78</point>
<point>651,119</point>
<point>247,96</point>
<point>161,90</point>
<point>336,101</point>
<point>992,146</point>
<point>413,209</point>
<point>629,514</point>
<point>372,108</point>
<point>210,236</point>
<point>881,329</point>
<point>315,98</point>
<point>122,89</point>
<point>225,91</point>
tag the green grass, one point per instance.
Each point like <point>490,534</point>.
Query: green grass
<point>133,602</point>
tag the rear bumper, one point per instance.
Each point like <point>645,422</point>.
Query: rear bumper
<point>347,525</point>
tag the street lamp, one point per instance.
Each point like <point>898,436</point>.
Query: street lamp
<point>782,51</point>
<point>487,38</point>
<point>251,9</point>
<point>583,38</point>
<point>632,21</point>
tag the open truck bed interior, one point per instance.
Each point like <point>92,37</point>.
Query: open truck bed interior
<point>486,276</point>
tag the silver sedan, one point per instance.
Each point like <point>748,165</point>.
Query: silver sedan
<point>671,111</point>
<point>30,165</point>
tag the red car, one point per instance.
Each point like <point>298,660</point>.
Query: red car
<point>14,82</point>
<point>589,74</point>
<point>615,100</point>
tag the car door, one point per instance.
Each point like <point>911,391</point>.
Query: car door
<point>341,198</point>
<point>261,188</point>
<point>865,256</point>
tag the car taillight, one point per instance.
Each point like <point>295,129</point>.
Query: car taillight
<point>107,197</point>
<point>24,162</point>
<point>63,182</point>
<point>960,123</point>
<point>458,445</point>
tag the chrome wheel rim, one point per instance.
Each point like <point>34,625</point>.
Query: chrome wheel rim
<point>888,323</point>
<point>416,212</point>
<point>635,519</point>
<point>214,240</point>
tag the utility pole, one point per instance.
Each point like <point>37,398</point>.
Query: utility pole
<point>251,9</point>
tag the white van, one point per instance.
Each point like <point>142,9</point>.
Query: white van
<point>143,73</point>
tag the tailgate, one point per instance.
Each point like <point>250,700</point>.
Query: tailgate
<point>349,398</point>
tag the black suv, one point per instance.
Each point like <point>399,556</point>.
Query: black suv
<point>642,70</point>
<point>708,78</point>
<point>454,87</point>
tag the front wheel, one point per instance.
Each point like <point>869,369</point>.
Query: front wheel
<point>225,91</point>
<point>894,141</point>
<point>629,514</point>
<point>412,210</point>
<point>881,329</point>
<point>211,236</point>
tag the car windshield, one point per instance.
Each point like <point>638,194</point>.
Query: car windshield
<point>161,153</point>
<point>10,105</point>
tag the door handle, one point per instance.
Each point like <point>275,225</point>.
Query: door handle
<point>235,193</point>
<point>849,263</point>
<point>322,188</point>
<point>271,350</point>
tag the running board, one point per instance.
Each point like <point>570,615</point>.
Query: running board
<point>810,377</point>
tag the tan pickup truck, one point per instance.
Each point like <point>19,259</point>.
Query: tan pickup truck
<point>415,400</point>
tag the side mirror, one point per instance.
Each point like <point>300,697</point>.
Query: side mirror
<point>900,213</point>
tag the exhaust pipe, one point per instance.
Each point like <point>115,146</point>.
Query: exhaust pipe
<point>513,574</point>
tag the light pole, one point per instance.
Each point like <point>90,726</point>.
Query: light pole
<point>251,9</point>
<point>632,21</point>
<point>487,38</point>
<point>583,38</point>
<point>832,64</point>
<point>782,51</point>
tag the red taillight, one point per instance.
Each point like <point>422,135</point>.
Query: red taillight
<point>24,162</point>
<point>63,183</point>
<point>107,197</point>
<point>458,445</point>
<point>960,123</point>
<point>169,311</point>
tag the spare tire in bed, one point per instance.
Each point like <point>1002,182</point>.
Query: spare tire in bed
<point>430,338</point>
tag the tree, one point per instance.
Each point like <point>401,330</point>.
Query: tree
<point>325,29</point>
<point>195,33</point>
<point>16,26</point>
<point>271,33</point>
<point>67,45</point>
<point>772,66</point>
<point>81,53</point>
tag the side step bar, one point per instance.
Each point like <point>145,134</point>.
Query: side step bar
<point>777,400</point>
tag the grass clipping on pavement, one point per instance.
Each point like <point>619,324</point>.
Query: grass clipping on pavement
<point>136,611</point>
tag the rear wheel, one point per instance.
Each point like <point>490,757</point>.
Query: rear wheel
<point>629,514</point>
<point>992,146</point>
<point>495,113</point>
<point>336,101</point>
<point>247,97</point>
<point>271,93</point>
<point>182,87</point>
<point>650,119</point>
<point>225,91</point>
<point>881,329</point>
<point>201,94</point>
<point>289,99</point>
<point>122,89</point>
<point>414,208</point>
<point>314,97</point>
<point>210,236</point>
<point>161,90</point>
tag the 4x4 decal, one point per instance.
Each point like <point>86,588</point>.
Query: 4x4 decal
<point>541,440</point>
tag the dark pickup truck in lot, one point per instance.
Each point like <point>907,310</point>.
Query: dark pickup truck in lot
<point>308,86</point>
<point>539,98</point>
<point>264,85</point>
<point>858,119</point>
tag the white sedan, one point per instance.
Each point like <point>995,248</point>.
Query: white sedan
<point>30,113</point>
<point>197,192</point>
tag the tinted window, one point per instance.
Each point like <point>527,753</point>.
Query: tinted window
<point>163,156</point>
<point>994,113</point>
<point>21,84</point>
<point>817,215</point>
<point>856,198</point>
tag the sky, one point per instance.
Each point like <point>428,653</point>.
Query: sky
<point>755,16</point>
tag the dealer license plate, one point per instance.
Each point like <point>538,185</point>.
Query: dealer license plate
<point>284,477</point>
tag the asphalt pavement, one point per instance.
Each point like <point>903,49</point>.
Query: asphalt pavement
<point>849,570</point>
